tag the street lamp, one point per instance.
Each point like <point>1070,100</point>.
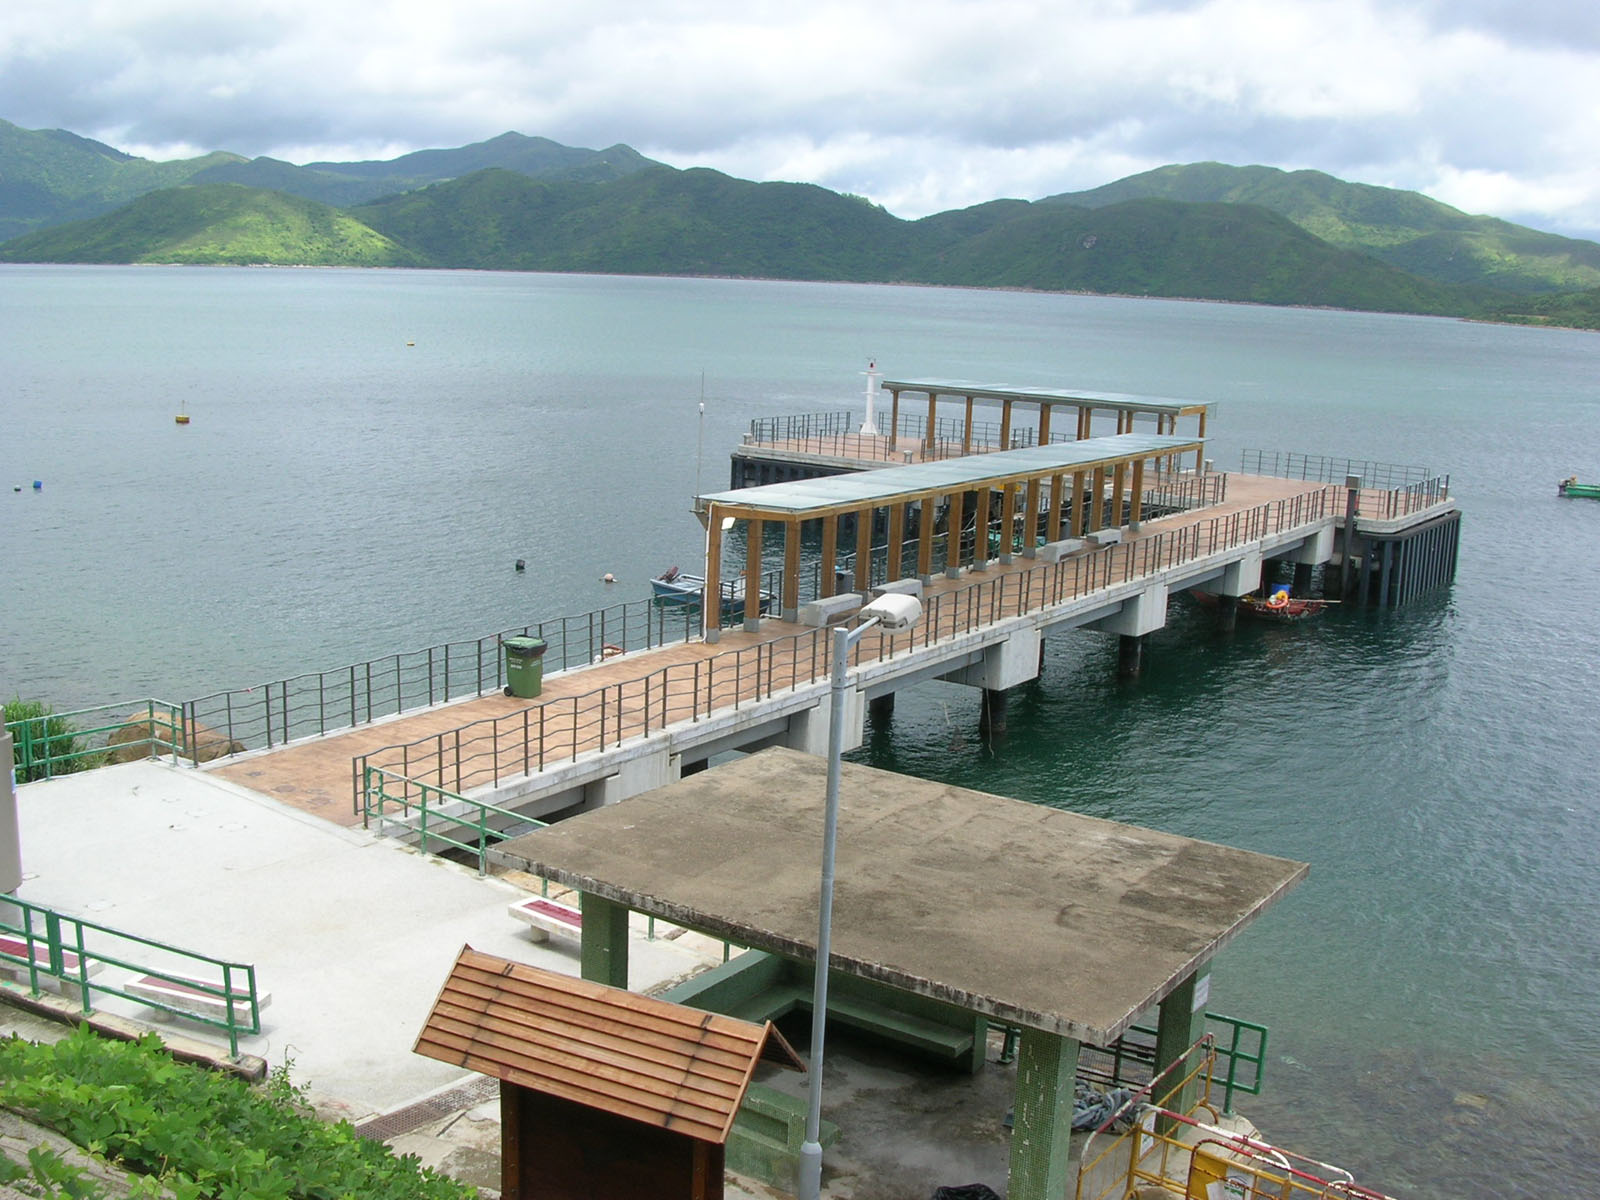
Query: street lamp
<point>892,612</point>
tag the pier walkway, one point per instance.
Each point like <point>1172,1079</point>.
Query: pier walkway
<point>614,728</point>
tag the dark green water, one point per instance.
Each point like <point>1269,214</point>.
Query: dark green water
<point>1433,989</point>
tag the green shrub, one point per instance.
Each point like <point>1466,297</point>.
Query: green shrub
<point>203,1134</point>
<point>55,746</point>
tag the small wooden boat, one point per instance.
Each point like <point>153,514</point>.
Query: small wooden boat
<point>1573,490</point>
<point>1275,605</point>
<point>678,589</point>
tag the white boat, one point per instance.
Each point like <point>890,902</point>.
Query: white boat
<point>675,588</point>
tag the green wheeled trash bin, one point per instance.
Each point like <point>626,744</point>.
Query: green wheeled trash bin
<point>524,666</point>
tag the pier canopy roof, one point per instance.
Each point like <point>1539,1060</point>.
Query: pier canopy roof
<point>1049,397</point>
<point>1031,915</point>
<point>803,498</point>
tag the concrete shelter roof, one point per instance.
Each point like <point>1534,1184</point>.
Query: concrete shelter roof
<point>888,485</point>
<point>1027,914</point>
<point>1115,401</point>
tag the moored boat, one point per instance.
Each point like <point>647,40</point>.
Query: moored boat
<point>1276,604</point>
<point>1573,490</point>
<point>678,589</point>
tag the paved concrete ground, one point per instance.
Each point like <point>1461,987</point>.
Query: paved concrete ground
<point>351,935</point>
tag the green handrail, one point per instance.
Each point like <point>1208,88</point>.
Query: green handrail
<point>52,744</point>
<point>56,946</point>
<point>382,789</point>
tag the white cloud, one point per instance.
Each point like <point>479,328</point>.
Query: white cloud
<point>919,105</point>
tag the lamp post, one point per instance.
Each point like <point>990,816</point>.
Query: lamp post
<point>894,613</point>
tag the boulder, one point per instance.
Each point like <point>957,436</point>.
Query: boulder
<point>195,742</point>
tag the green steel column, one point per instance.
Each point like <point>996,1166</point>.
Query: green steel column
<point>604,952</point>
<point>1041,1133</point>
<point>1182,1021</point>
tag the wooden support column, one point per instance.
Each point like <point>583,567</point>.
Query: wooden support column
<point>830,551</point>
<point>752,576</point>
<point>952,566</point>
<point>1008,521</point>
<point>603,950</point>
<point>711,614</point>
<point>1084,422</point>
<point>894,418</point>
<point>1080,509</point>
<point>1097,499</point>
<point>1041,1135</point>
<point>1119,483</point>
<point>1199,450</point>
<point>897,536</point>
<point>933,426</point>
<point>1136,499</point>
<point>864,551</point>
<point>1005,424</point>
<point>1030,533</point>
<point>966,430</point>
<point>1058,489</point>
<point>928,508</point>
<point>791,570</point>
<point>1044,424</point>
<point>980,531</point>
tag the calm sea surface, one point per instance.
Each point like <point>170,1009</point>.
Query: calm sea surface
<point>1433,989</point>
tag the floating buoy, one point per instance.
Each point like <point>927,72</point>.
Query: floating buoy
<point>181,419</point>
<point>38,485</point>
<point>522,564</point>
<point>608,577</point>
<point>18,488</point>
<point>411,343</point>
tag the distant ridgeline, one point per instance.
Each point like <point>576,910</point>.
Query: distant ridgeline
<point>1202,231</point>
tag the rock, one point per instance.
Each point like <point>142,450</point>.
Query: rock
<point>195,742</point>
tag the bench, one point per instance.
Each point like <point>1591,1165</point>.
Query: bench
<point>829,609</point>
<point>176,995</point>
<point>1052,552</point>
<point>72,968</point>
<point>1106,537</point>
<point>767,1135</point>
<point>900,587</point>
<point>544,916</point>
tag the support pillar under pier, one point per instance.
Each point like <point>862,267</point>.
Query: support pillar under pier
<point>992,712</point>
<point>881,708</point>
<point>1130,655</point>
<point>1227,613</point>
<point>1302,578</point>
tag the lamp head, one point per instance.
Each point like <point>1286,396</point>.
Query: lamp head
<point>894,611</point>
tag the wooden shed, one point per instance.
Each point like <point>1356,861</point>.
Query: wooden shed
<point>604,1094</point>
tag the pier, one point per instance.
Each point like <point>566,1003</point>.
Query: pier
<point>625,724</point>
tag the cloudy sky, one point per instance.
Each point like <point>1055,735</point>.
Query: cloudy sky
<point>1490,105</point>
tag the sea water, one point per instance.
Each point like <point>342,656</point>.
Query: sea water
<point>370,451</point>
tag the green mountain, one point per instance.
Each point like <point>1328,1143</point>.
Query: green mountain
<point>1405,229</point>
<point>214,223</point>
<point>344,184</point>
<point>1195,251</point>
<point>654,222</point>
<point>48,176</point>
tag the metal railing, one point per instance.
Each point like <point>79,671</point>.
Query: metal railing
<point>315,703</point>
<point>483,753</point>
<point>839,434</point>
<point>44,944</point>
<point>1240,1046</point>
<point>1320,468</point>
<point>64,743</point>
<point>434,814</point>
